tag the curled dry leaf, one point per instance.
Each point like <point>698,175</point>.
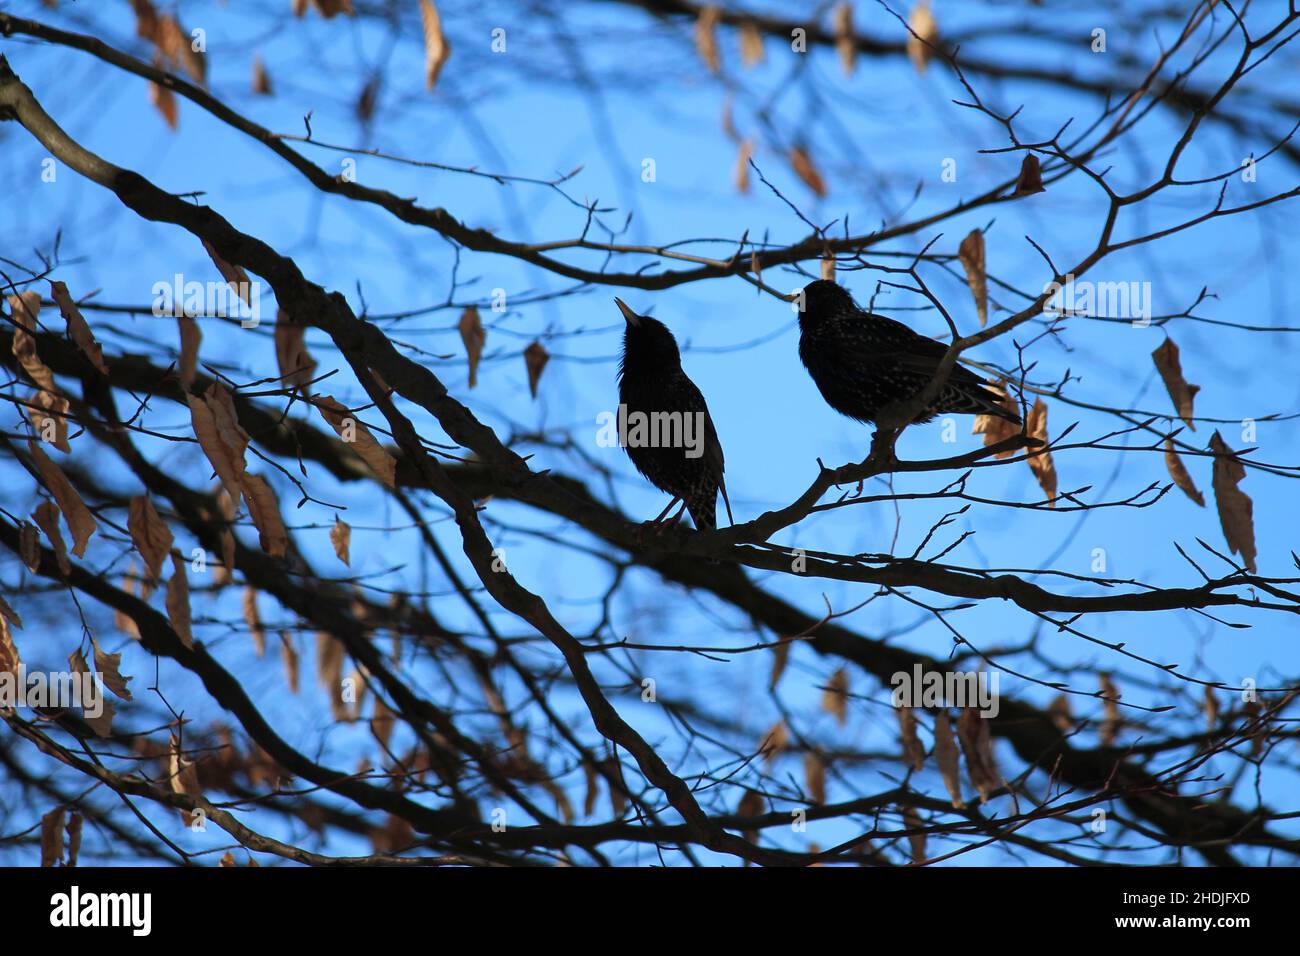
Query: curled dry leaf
<point>828,268</point>
<point>977,745</point>
<point>184,776</point>
<point>835,698</point>
<point>1211,709</point>
<point>329,672</point>
<point>46,517</point>
<point>706,37</point>
<point>945,755</point>
<point>436,48</point>
<point>751,43</point>
<point>1030,180</point>
<point>1040,460</point>
<point>78,330</point>
<point>165,102</point>
<point>149,533</point>
<point>774,742</point>
<point>1170,368</point>
<point>234,275</point>
<point>103,724</point>
<point>261,79</point>
<point>780,657</point>
<point>971,253</point>
<point>9,614</point>
<point>9,657</point>
<point>1178,472</point>
<point>254,621</point>
<point>121,620</point>
<point>47,408</point>
<point>264,509</point>
<point>74,838</point>
<point>1236,510</point>
<point>535,359</point>
<point>52,837</point>
<point>743,154</point>
<point>814,775</point>
<point>178,601</point>
<point>296,365</point>
<point>751,805</point>
<point>109,666</point>
<point>993,428</point>
<point>189,360</point>
<point>381,724</point>
<point>217,428</point>
<point>916,837</point>
<point>1111,719</point>
<point>802,164</point>
<point>81,523</point>
<point>1059,711</point>
<point>289,654</point>
<point>177,48</point>
<point>845,42</point>
<point>474,337</point>
<point>29,546</point>
<point>913,750</point>
<point>922,35</point>
<point>341,538</point>
<point>354,433</point>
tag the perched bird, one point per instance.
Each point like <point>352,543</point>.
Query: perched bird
<point>669,434</point>
<point>863,363</point>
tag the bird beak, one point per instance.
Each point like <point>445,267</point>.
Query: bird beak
<point>631,317</point>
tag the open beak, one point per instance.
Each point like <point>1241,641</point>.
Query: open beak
<point>631,317</point>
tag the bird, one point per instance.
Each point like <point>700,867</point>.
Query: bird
<point>687,462</point>
<point>864,363</point>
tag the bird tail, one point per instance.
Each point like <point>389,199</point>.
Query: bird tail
<point>722,486</point>
<point>987,402</point>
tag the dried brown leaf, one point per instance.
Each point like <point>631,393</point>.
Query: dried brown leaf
<point>354,433</point>
<point>971,253</point>
<point>81,523</point>
<point>261,79</point>
<point>109,666</point>
<point>78,330</point>
<point>1040,460</point>
<point>706,37</point>
<point>52,837</point>
<point>835,697</point>
<point>1178,472</point>
<point>1236,510</point>
<point>178,601</point>
<point>264,509</point>
<point>945,755</point>
<point>1170,368</point>
<point>1030,180</point>
<point>149,533</point>
<point>922,35</point>
<point>436,48</point>
<point>751,43</point>
<point>535,359</point>
<point>296,365</point>
<point>845,42</point>
<point>474,337</point>
<point>802,164</point>
<point>254,621</point>
<point>341,538</point>
<point>913,750</point>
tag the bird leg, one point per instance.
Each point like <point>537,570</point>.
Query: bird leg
<point>659,524</point>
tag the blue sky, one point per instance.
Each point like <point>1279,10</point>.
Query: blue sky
<point>880,136</point>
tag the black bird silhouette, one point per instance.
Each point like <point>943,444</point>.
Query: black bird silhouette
<point>650,383</point>
<point>863,363</point>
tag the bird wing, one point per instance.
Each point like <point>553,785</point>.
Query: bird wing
<point>896,345</point>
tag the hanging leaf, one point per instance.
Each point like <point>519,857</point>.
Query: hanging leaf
<point>915,839</point>
<point>254,621</point>
<point>341,538</point>
<point>814,775</point>
<point>265,512</point>
<point>108,666</point>
<point>29,546</point>
<point>103,724</point>
<point>992,427</point>
<point>234,275</point>
<point>165,102</point>
<point>149,533</point>
<point>261,79</point>
<point>289,654</point>
<point>189,360</point>
<point>828,267</point>
<point>184,776</point>
<point>780,657</point>
<point>473,335</point>
<point>802,164</point>
<point>977,745</point>
<point>913,751</point>
<point>743,153</point>
<point>1236,510</point>
<point>1111,719</point>
<point>9,658</point>
<point>216,426</point>
<point>436,47</point>
<point>535,359</point>
<point>1171,371</point>
<point>1031,177</point>
<point>845,43</point>
<point>751,43</point>
<point>46,516</point>
<point>1178,472</point>
<point>1040,460</point>
<point>1059,711</point>
<point>81,523</point>
<point>78,330</point>
<point>356,435</point>
<point>922,36</point>
<point>296,365</point>
<point>52,837</point>
<point>835,697</point>
<point>178,601</point>
<point>945,755</point>
<point>971,253</point>
<point>706,38</point>
<point>774,742</point>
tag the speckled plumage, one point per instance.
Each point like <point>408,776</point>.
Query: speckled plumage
<point>650,379</point>
<point>863,362</point>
